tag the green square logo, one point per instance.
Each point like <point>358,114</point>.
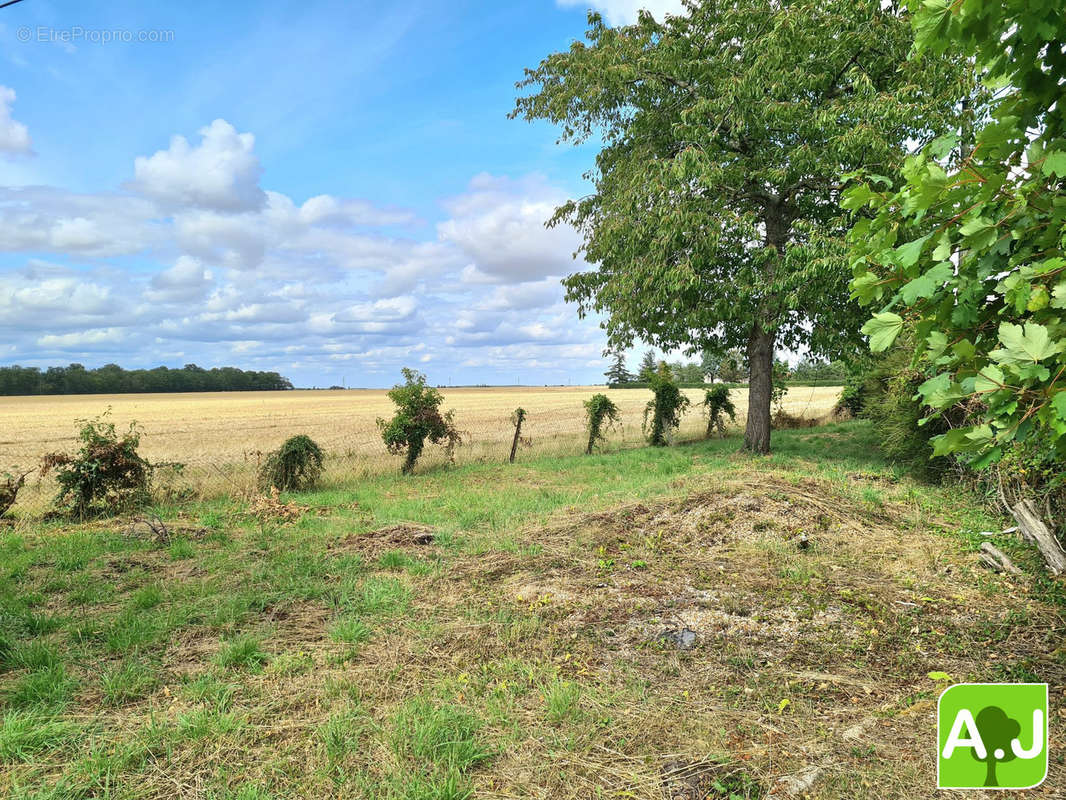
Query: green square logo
<point>992,736</point>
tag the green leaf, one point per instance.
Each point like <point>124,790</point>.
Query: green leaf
<point>883,329</point>
<point>989,379</point>
<point>864,287</point>
<point>906,255</point>
<point>940,391</point>
<point>1024,346</point>
<point>926,285</point>
<point>943,248</point>
<point>1038,299</point>
<point>856,197</point>
<point>1059,404</point>
<point>1055,164</point>
<point>1058,297</point>
<point>950,442</point>
<point>979,233</point>
<point>937,342</point>
<point>940,676</point>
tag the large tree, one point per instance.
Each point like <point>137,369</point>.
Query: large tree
<point>726,132</point>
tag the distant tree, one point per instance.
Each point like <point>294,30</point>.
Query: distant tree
<point>617,373</point>
<point>726,132</point>
<point>817,369</point>
<point>687,373</point>
<point>113,379</point>
<point>418,417</point>
<point>648,365</point>
<point>734,365</point>
<point>711,363</point>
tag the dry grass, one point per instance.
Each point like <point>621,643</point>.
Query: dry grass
<point>222,436</point>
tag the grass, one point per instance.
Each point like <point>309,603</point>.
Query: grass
<point>530,648</point>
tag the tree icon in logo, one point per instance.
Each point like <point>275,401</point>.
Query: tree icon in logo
<point>996,730</point>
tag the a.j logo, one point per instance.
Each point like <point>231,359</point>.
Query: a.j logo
<point>992,736</point>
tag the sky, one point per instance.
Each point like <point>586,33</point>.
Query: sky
<point>331,190</point>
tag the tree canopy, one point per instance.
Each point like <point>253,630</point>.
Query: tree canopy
<point>726,132</point>
<point>969,250</point>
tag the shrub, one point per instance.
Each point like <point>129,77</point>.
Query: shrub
<point>107,475</point>
<point>717,404</point>
<point>1029,469</point>
<point>853,396</point>
<point>295,466</point>
<point>9,490</point>
<point>602,415</point>
<point>665,408</point>
<point>418,417</point>
<point>889,403</point>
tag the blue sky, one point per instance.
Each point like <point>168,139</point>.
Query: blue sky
<point>332,190</point>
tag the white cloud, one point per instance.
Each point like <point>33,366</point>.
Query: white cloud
<point>499,224</point>
<point>47,219</point>
<point>184,282</point>
<point>332,210</point>
<point>221,173</point>
<point>624,12</point>
<point>186,267</point>
<point>14,136</point>
<point>82,339</point>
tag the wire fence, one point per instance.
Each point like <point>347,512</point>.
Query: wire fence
<point>221,439</point>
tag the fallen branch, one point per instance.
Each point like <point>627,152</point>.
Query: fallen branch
<point>1033,529</point>
<point>996,560</point>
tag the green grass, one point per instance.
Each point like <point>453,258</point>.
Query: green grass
<point>47,688</point>
<point>350,630</point>
<point>319,659</point>
<point>25,735</point>
<point>126,682</point>
<point>243,652</point>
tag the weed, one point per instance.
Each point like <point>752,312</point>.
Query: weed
<point>561,700</point>
<point>340,734</point>
<point>295,466</point>
<point>244,652</point>
<point>439,738</point>
<point>350,631</point>
<point>147,597</point>
<point>126,682</point>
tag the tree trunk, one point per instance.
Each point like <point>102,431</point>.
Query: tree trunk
<point>760,390</point>
<point>990,771</point>
<point>761,341</point>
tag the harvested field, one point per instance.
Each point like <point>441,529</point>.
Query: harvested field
<point>220,437</point>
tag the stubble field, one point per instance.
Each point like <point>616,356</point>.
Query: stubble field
<point>220,437</point>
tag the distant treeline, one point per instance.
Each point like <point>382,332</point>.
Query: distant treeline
<point>113,379</point>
